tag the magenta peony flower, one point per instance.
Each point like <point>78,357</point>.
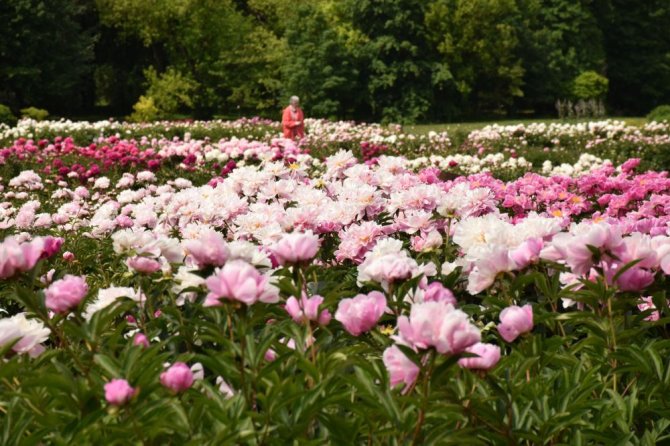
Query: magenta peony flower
<point>209,249</point>
<point>401,369</point>
<point>438,325</point>
<point>361,313</point>
<point>487,357</point>
<point>118,392</point>
<point>307,309</point>
<point>296,247</point>
<point>66,293</point>
<point>240,281</point>
<point>178,377</point>
<point>515,321</point>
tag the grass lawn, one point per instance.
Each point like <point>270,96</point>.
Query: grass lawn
<point>467,127</point>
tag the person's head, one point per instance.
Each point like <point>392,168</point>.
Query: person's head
<point>294,101</point>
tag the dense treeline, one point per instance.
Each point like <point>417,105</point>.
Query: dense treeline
<point>393,60</point>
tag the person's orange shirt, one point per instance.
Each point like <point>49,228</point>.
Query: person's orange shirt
<point>293,126</point>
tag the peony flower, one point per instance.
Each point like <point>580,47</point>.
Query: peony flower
<point>29,332</point>
<point>401,369</point>
<point>436,292</point>
<point>16,257</point>
<point>361,313</point>
<point>438,325</point>
<point>66,293</point>
<point>141,340</point>
<point>307,309</point>
<point>296,247</point>
<point>208,249</point>
<point>239,281</point>
<point>144,265</point>
<point>177,378</point>
<point>515,321</point>
<point>487,357</point>
<point>118,392</point>
<point>646,303</point>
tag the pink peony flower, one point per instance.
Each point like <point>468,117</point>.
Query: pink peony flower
<point>307,309</point>
<point>16,257</point>
<point>436,292</point>
<point>66,293</point>
<point>361,313</point>
<point>401,369</point>
<point>240,281</point>
<point>527,252</point>
<point>515,321</point>
<point>209,249</point>
<point>296,247</point>
<point>68,256</point>
<point>118,392</point>
<point>647,303</point>
<point>52,246</point>
<point>438,325</point>
<point>143,265</point>
<point>177,378</point>
<point>487,357</point>
<point>140,339</point>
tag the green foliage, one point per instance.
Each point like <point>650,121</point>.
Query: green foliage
<point>477,41</point>
<point>144,110</point>
<point>590,85</point>
<point>170,91</point>
<point>6,115</point>
<point>46,55</point>
<point>659,114</point>
<point>38,114</point>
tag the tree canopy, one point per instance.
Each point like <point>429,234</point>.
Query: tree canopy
<point>388,60</point>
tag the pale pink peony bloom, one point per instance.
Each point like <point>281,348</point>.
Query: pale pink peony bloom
<point>647,303</point>
<point>144,265</point>
<point>224,387</point>
<point>401,369</point>
<point>140,340</point>
<point>307,309</point>
<point>487,357</point>
<point>16,257</point>
<point>437,292</point>
<point>438,325</point>
<point>208,249</point>
<point>30,333</point>
<point>68,256</point>
<point>361,313</point>
<point>66,293</point>
<point>118,392</point>
<point>527,252</point>
<point>515,321</point>
<point>240,281</point>
<point>296,247</point>
<point>177,378</point>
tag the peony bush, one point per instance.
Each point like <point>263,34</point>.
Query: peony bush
<point>290,297</point>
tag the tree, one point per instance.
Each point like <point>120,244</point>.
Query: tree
<point>45,55</point>
<point>477,41</point>
<point>388,41</point>
<point>558,40</point>
<point>319,68</point>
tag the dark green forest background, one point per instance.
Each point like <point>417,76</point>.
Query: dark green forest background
<point>372,60</point>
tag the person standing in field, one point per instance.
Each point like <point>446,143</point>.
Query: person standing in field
<point>292,120</point>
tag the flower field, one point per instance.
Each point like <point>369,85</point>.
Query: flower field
<point>210,282</point>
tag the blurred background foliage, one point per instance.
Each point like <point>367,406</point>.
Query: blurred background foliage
<point>375,60</point>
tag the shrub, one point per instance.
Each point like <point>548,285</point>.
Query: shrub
<point>659,114</point>
<point>171,91</point>
<point>6,115</point>
<point>590,85</point>
<point>38,114</point>
<point>145,110</point>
